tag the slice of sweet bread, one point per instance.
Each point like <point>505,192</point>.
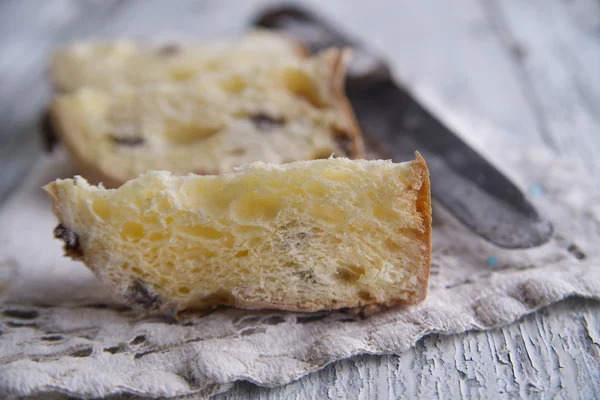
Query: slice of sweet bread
<point>312,235</point>
<point>280,111</point>
<point>121,63</point>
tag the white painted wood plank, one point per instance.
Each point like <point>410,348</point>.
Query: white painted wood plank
<point>550,354</point>
<point>558,65</point>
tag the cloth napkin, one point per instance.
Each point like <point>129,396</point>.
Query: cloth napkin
<point>61,332</point>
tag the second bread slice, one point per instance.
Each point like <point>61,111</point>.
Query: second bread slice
<point>281,111</point>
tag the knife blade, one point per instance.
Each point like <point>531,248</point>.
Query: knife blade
<point>467,185</point>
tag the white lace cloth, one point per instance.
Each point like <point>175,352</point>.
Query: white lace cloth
<point>61,332</point>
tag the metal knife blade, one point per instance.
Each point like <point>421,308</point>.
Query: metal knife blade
<point>466,184</point>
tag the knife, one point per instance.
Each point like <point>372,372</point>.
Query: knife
<point>462,181</point>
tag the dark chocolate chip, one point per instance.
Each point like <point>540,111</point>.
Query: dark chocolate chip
<point>139,339</point>
<point>83,352</point>
<point>139,294</point>
<point>265,122</point>
<point>21,314</point>
<point>576,251</point>
<point>47,132</point>
<point>131,141</point>
<point>70,239</point>
<point>169,50</point>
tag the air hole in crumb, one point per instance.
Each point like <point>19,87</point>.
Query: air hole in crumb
<point>184,290</point>
<point>241,254</point>
<point>138,339</point>
<point>301,85</point>
<point>136,270</point>
<point>132,231</point>
<point>125,266</point>
<point>168,220</point>
<point>101,208</point>
<point>365,295</point>
<point>169,265</point>
<point>350,273</point>
<point>234,84</point>
<point>238,152</point>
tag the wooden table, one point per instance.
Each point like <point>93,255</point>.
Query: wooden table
<point>532,68</point>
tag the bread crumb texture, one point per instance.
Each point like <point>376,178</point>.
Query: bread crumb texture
<point>253,101</point>
<point>310,235</point>
<point>109,64</point>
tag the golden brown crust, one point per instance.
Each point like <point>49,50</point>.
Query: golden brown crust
<point>338,67</point>
<point>424,209</point>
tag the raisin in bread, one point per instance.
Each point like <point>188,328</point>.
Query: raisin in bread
<point>282,111</point>
<point>310,235</point>
<point>105,65</point>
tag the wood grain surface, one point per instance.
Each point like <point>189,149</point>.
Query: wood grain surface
<point>532,68</point>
